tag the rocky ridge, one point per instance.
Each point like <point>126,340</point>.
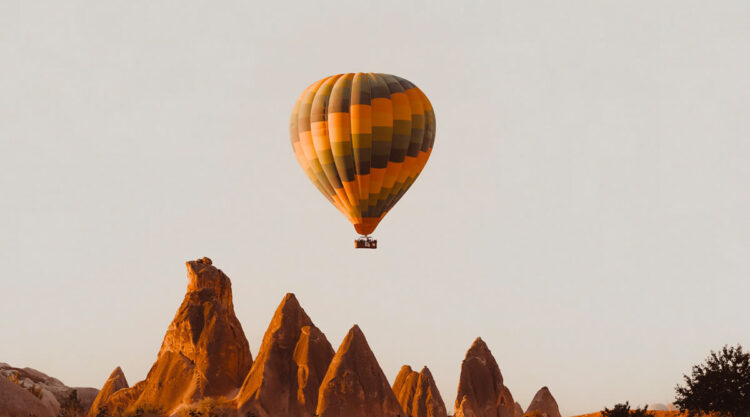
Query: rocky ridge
<point>25,391</point>
<point>205,359</point>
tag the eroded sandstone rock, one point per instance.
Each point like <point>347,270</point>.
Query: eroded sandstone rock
<point>355,385</point>
<point>418,394</point>
<point>114,383</point>
<point>204,352</point>
<point>46,392</point>
<point>481,392</point>
<point>291,363</point>
<point>543,404</point>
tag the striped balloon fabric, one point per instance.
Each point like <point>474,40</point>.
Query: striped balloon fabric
<point>362,139</point>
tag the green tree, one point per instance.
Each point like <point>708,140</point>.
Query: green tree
<point>623,410</point>
<point>720,386</point>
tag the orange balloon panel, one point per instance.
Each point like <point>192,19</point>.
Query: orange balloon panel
<point>362,139</point>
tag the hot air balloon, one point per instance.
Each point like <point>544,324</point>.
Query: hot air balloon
<point>362,139</point>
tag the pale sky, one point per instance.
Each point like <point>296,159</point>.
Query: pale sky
<point>585,209</point>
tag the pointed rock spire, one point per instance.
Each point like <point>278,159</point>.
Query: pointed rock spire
<point>292,361</point>
<point>115,382</point>
<point>355,385</point>
<point>544,404</point>
<point>404,387</point>
<point>418,394</point>
<point>481,392</point>
<point>427,399</point>
<point>204,353</point>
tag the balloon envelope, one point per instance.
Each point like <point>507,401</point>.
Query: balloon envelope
<point>362,139</point>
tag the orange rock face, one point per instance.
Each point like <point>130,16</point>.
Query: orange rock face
<point>354,385</point>
<point>481,392</point>
<point>204,353</point>
<point>418,394</point>
<point>292,361</point>
<point>544,404</point>
<point>404,387</point>
<point>427,399</point>
<point>115,382</point>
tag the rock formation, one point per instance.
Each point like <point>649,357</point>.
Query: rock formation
<point>418,394</point>
<point>114,383</point>
<point>481,392</point>
<point>25,391</point>
<point>204,353</point>
<point>543,404</point>
<point>291,363</point>
<point>17,401</point>
<point>205,362</point>
<point>427,400</point>
<point>404,387</point>
<point>354,385</point>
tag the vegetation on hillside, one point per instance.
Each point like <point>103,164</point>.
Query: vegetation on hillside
<point>209,407</point>
<point>624,410</point>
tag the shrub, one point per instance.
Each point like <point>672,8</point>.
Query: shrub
<point>209,407</point>
<point>623,410</point>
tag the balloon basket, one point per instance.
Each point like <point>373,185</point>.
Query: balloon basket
<point>365,242</point>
